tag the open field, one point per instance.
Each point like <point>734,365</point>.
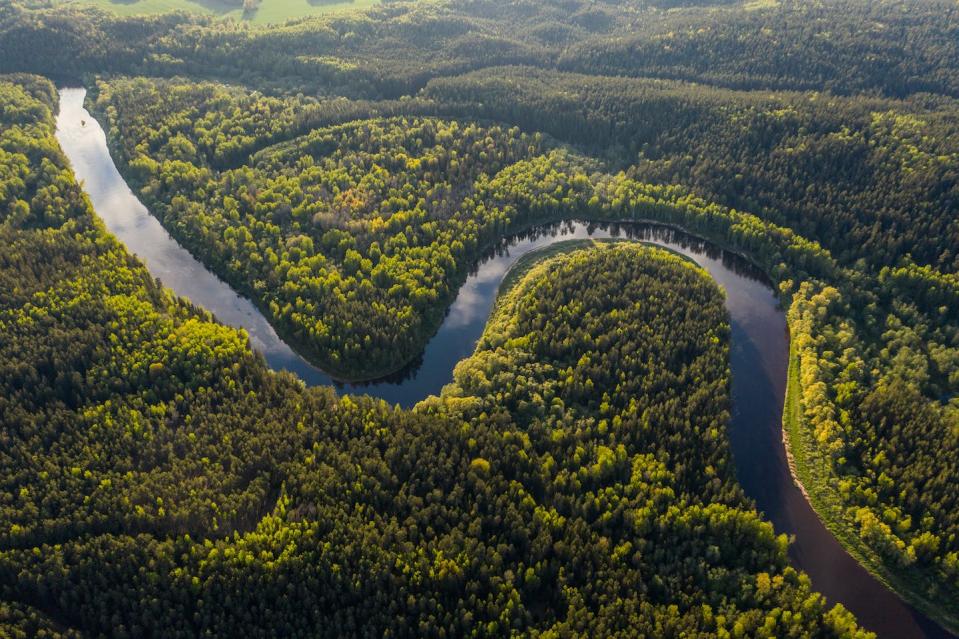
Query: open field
<point>269,11</point>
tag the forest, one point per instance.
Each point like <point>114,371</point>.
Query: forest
<point>893,48</point>
<point>159,480</point>
<point>346,173</point>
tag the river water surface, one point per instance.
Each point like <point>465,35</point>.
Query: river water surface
<point>758,355</point>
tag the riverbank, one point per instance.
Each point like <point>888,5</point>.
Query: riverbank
<point>813,476</point>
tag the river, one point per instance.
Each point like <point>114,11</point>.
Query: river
<point>758,355</point>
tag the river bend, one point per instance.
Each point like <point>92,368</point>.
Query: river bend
<point>758,355</point>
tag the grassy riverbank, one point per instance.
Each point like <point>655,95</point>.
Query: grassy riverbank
<point>811,470</point>
<point>524,264</point>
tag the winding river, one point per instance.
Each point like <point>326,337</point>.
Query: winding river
<point>759,354</point>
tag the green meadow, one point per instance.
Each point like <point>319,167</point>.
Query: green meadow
<point>268,11</point>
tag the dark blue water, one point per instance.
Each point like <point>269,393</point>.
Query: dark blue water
<point>758,355</point>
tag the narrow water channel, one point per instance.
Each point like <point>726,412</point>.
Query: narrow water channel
<point>758,355</point>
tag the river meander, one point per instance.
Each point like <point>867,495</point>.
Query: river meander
<point>758,354</point>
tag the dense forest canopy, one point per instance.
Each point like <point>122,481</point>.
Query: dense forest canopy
<point>346,172</point>
<point>888,47</point>
<point>159,480</point>
<point>883,170</point>
<point>352,236</point>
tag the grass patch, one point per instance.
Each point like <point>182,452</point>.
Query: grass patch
<point>754,5</point>
<point>268,12</point>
